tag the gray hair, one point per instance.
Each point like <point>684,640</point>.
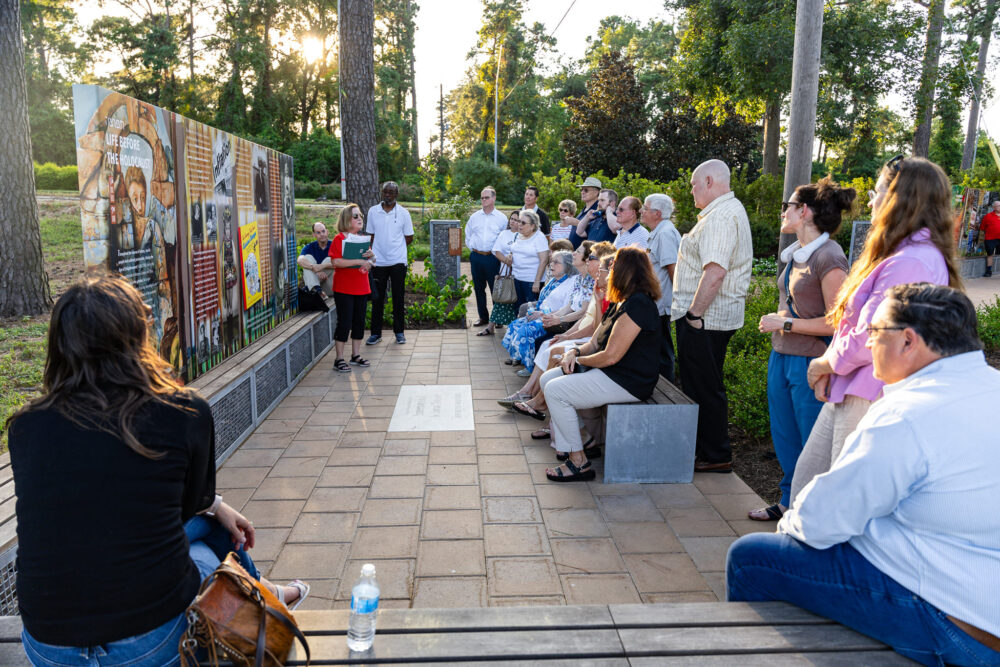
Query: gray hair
<point>942,316</point>
<point>565,257</point>
<point>662,203</point>
<point>529,216</point>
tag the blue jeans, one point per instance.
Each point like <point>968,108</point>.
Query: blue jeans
<point>840,584</point>
<point>158,646</point>
<point>484,270</point>
<point>793,409</point>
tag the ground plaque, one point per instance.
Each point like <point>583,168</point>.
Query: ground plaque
<point>446,265</point>
<point>446,407</point>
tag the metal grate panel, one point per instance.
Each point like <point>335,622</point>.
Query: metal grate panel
<point>299,354</point>
<point>271,379</point>
<point>233,415</point>
<point>321,335</point>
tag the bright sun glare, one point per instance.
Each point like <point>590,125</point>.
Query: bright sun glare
<point>312,49</point>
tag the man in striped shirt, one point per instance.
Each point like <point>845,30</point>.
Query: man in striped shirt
<point>710,289</point>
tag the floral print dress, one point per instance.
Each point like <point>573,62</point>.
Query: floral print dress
<point>519,341</point>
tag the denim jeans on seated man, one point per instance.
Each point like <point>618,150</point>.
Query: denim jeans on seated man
<point>155,648</point>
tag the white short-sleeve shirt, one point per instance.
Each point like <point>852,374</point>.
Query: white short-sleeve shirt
<point>390,229</point>
<point>525,251</point>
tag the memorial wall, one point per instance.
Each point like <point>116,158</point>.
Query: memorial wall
<point>200,221</point>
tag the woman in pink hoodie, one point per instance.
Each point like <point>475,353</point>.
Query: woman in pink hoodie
<point>910,241</point>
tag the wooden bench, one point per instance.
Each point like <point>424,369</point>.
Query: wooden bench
<point>716,633</point>
<point>652,441</point>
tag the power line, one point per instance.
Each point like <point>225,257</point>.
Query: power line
<point>518,82</point>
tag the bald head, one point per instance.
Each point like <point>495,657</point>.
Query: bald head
<point>709,182</point>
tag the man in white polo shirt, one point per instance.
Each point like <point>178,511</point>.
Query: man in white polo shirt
<point>392,230</point>
<point>710,291</point>
<point>481,232</point>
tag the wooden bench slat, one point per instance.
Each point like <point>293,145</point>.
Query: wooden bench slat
<point>709,614</point>
<point>534,662</point>
<point>517,644</point>
<point>445,620</point>
<point>744,639</point>
<point>846,659</point>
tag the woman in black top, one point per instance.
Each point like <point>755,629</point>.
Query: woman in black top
<point>111,465</point>
<point>618,365</point>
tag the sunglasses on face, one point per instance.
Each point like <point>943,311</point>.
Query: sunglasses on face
<point>786,204</point>
<point>564,210</point>
<point>356,216</point>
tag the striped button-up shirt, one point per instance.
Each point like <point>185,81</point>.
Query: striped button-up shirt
<point>721,236</point>
<point>637,236</point>
<point>916,489</point>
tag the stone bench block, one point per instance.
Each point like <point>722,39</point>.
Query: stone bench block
<point>650,443</point>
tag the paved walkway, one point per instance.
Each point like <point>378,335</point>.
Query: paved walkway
<point>463,518</point>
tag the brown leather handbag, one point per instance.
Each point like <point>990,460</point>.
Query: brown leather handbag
<point>235,615</point>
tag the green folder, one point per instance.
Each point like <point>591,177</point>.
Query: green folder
<point>355,246</point>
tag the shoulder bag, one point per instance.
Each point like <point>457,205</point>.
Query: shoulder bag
<point>236,616</point>
<point>503,286</point>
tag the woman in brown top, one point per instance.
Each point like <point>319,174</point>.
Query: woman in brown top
<point>815,267</point>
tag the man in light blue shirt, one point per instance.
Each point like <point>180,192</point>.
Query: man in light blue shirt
<point>900,540</point>
<point>663,245</point>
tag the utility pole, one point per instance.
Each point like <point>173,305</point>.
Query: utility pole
<point>496,107</point>
<point>805,92</point>
<point>441,114</point>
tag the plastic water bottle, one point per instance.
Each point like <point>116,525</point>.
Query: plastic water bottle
<point>364,604</point>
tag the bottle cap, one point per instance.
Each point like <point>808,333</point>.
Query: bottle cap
<point>368,570</point>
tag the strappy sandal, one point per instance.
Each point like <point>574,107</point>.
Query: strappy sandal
<point>541,434</point>
<point>357,360</point>
<point>341,365</point>
<point>772,513</point>
<point>299,585</point>
<point>485,332</point>
<point>583,473</point>
<point>509,401</point>
<point>522,408</point>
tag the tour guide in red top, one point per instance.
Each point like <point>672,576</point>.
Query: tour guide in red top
<point>990,224</point>
<point>350,289</point>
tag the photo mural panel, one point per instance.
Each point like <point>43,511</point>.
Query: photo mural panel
<point>128,207</point>
<point>200,221</point>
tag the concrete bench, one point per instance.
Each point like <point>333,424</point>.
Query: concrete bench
<point>652,441</point>
<point>714,633</point>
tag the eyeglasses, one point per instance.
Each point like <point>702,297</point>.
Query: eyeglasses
<point>786,204</point>
<point>893,164</point>
<point>874,331</point>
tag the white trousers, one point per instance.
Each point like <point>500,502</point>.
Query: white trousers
<point>542,358</point>
<point>311,280</point>
<point>565,394</point>
<point>835,422</point>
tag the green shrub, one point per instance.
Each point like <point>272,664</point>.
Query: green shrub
<point>317,158</point>
<point>746,362</point>
<point>51,176</point>
<point>988,323</point>
<point>470,175</point>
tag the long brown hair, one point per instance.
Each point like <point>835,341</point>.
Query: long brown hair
<point>632,272</point>
<point>919,197</point>
<point>101,369</point>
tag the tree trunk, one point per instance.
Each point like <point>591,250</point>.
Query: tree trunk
<point>805,92</point>
<point>928,79</point>
<point>972,134</point>
<point>772,135</point>
<point>24,286</point>
<point>357,63</point>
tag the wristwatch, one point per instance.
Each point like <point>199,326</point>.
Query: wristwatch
<point>692,318</point>
<point>787,326</point>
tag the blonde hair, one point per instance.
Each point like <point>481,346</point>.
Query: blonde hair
<point>919,197</point>
<point>570,204</point>
<point>346,218</point>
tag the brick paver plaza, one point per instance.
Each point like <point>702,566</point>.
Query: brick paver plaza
<point>463,518</point>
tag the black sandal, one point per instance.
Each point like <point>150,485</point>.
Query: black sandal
<point>358,361</point>
<point>341,365</point>
<point>522,408</point>
<point>583,473</point>
<point>772,513</point>
<point>591,451</point>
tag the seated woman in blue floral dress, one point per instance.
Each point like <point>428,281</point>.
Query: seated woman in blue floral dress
<point>570,297</point>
